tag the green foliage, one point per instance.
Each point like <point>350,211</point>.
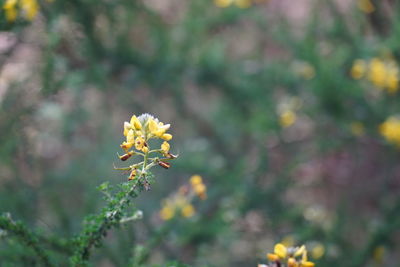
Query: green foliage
<point>20,231</point>
<point>262,103</point>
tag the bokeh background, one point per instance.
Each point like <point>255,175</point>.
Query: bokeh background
<point>287,109</point>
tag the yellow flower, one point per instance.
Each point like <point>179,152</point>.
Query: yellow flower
<point>287,118</point>
<point>366,6</point>
<point>243,3</point>
<point>188,210</point>
<point>379,254</point>
<point>195,180</point>
<point>288,241</point>
<point>158,129</point>
<point>292,262</point>
<point>133,174</point>
<point>238,3</point>
<point>130,137</point>
<point>390,130</point>
<point>200,190</point>
<point>301,252</point>
<point>126,146</point>
<point>303,69</point>
<point>135,123</point>
<point>382,73</point>
<point>10,10</point>
<point>166,137</point>
<point>223,3</point>
<point>127,128</point>
<point>140,144</point>
<point>138,131</point>
<point>358,69</point>
<point>307,264</point>
<point>30,8</point>
<point>167,213</point>
<point>142,128</point>
<point>318,251</point>
<point>280,250</point>
<point>377,72</point>
<point>392,79</point>
<point>181,201</point>
<point>165,147</point>
<point>304,261</point>
<point>198,187</point>
<point>272,257</point>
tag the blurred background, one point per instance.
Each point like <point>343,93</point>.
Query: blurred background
<point>288,110</point>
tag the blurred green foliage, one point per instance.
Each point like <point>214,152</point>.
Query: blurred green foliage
<point>262,105</point>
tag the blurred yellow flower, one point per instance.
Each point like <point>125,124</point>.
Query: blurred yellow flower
<point>287,118</point>
<point>10,10</point>
<point>358,70</point>
<point>167,213</point>
<point>195,180</point>
<point>288,241</point>
<point>366,6</point>
<point>390,130</point>
<point>318,251</point>
<point>357,128</point>
<point>377,72</point>
<point>392,79</point>
<point>188,210</point>
<point>238,3</point>
<point>165,147</point>
<point>379,254</point>
<point>304,69</point>
<point>30,8</point>
<point>243,3</point>
<point>223,3</point>
<point>198,187</point>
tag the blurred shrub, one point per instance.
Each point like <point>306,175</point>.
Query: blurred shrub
<point>288,110</point>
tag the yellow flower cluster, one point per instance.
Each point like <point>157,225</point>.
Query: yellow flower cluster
<point>198,187</point>
<point>28,8</point>
<point>181,201</point>
<point>390,130</point>
<point>291,256</point>
<point>383,74</point>
<point>138,132</point>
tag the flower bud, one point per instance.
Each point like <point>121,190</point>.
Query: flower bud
<point>164,164</point>
<point>126,156</point>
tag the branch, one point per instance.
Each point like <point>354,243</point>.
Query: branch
<point>29,238</point>
<point>96,226</point>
